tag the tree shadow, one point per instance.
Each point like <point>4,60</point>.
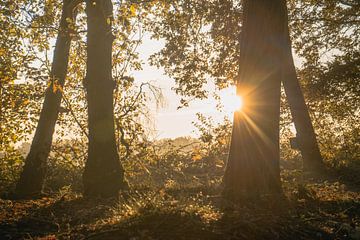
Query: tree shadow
<point>59,216</point>
<point>279,219</point>
<point>183,213</point>
<point>158,224</point>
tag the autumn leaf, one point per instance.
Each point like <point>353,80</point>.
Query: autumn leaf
<point>196,157</point>
<point>133,10</point>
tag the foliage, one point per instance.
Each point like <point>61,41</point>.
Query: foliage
<point>180,179</point>
<point>330,72</point>
<point>28,31</point>
<point>201,45</point>
<point>19,99</point>
<point>215,137</point>
<point>176,183</point>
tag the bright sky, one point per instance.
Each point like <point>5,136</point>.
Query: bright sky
<point>169,121</point>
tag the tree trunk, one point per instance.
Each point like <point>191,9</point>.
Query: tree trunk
<point>104,175</point>
<point>253,164</point>
<point>309,148</point>
<point>33,174</point>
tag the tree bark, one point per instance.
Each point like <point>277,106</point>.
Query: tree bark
<point>32,177</point>
<point>103,175</point>
<point>253,164</point>
<point>306,137</point>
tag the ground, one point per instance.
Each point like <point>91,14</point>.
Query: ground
<point>314,207</point>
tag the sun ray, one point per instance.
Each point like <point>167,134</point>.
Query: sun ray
<point>231,101</point>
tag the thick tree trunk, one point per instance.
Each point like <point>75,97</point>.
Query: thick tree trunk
<point>33,174</point>
<point>104,175</point>
<point>305,132</point>
<point>253,165</point>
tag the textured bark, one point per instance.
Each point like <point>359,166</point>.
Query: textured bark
<point>103,175</point>
<point>253,164</point>
<point>33,174</point>
<point>309,148</point>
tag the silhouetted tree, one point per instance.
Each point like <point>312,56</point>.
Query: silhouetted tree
<point>104,175</point>
<point>253,164</point>
<point>306,137</point>
<point>33,174</point>
<point>190,58</point>
<point>265,60</point>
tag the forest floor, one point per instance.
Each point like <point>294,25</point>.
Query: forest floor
<point>314,207</point>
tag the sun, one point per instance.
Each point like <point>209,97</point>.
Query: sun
<point>236,103</point>
<point>240,103</point>
<point>231,101</point>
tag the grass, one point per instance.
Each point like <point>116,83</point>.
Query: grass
<point>314,207</point>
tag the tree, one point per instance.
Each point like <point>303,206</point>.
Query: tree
<point>33,174</point>
<point>326,34</point>
<point>16,100</point>
<point>253,163</point>
<point>29,29</point>
<point>103,175</point>
<point>312,159</point>
<point>206,46</point>
<point>265,60</point>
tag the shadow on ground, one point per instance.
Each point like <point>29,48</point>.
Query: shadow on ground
<point>321,207</point>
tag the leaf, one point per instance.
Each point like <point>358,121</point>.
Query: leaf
<point>197,157</point>
<point>54,88</point>
<point>133,10</point>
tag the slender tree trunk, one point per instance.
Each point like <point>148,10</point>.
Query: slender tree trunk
<point>299,111</point>
<point>33,174</point>
<point>104,175</point>
<point>253,165</point>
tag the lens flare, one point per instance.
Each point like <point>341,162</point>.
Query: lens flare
<point>233,103</point>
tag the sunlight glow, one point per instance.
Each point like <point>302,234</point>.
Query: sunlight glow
<point>238,103</point>
<point>232,102</point>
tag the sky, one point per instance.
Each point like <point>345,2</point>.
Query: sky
<point>169,121</point>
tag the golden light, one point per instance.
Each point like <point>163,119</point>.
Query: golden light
<point>237,103</point>
<point>231,101</point>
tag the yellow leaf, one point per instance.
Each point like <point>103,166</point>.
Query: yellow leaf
<point>14,138</point>
<point>49,83</point>
<point>12,31</point>
<point>196,157</point>
<point>133,10</point>
<point>162,192</point>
